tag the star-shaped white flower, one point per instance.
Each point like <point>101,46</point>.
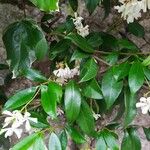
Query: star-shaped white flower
<point>27,120</point>
<point>144,104</point>
<point>10,131</point>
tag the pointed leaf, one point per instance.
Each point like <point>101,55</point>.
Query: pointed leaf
<point>26,142</point>
<point>24,42</point>
<point>85,119</point>
<point>147,133</point>
<point>46,5</point>
<point>89,70</point>
<point>54,143</point>
<point>131,140</point>
<point>136,77</point>
<point>72,101</point>
<point>80,42</point>
<point>63,139</point>
<point>111,88</point>
<point>20,98</point>
<point>130,107</point>
<point>92,90</point>
<point>74,4</point>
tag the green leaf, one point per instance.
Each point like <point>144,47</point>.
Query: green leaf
<point>121,71</point>
<point>39,144</point>
<point>91,5</point>
<point>130,108</point>
<point>72,101</point>
<point>85,119</point>
<point>50,95</point>
<point>34,75</point>
<point>63,139</point>
<point>111,88</point>
<point>89,70</point>
<point>76,135</point>
<point>136,77</point>
<point>20,98</point>
<point>26,142</point>
<point>126,44</point>
<point>147,133</point>
<point>107,140</point>
<point>92,90</point>
<point>107,6</point>
<point>80,42</point>
<point>94,39</point>
<point>58,48</point>
<point>78,55</point>
<point>54,143</point>
<point>130,140</point>
<point>46,5</point>
<point>146,61</point>
<point>24,42</point>
<point>147,72</point>
<point>74,4</point>
<point>136,29</point>
<point>112,58</point>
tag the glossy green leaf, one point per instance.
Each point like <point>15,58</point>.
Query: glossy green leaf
<point>126,44</point>
<point>136,29</point>
<point>63,139</point>
<point>80,42</point>
<point>74,4</point>
<point>20,98</point>
<point>107,140</point>
<point>24,42</point>
<point>111,88</point>
<point>78,55</point>
<point>54,142</point>
<point>26,142</point>
<point>136,77</point>
<point>112,58</point>
<point>92,90</point>
<point>131,140</point>
<point>72,101</point>
<point>91,5</point>
<point>146,61</point>
<point>147,133</point>
<point>49,98</point>
<point>85,119</point>
<point>89,70</point>
<point>107,7</point>
<point>94,39</point>
<point>130,107</point>
<point>34,75</point>
<point>147,72</point>
<point>76,135</point>
<point>39,144</point>
<point>46,5</point>
<point>120,71</point>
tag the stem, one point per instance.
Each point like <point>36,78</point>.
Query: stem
<point>37,92</point>
<point>101,60</point>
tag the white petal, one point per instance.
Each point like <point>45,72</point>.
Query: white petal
<point>143,99</point>
<point>9,132</point>
<point>18,132</point>
<point>33,119</point>
<point>140,104</point>
<point>27,126</point>
<point>145,109</point>
<point>6,112</point>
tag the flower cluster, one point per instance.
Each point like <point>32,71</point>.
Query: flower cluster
<point>83,31</point>
<point>144,104</point>
<point>14,121</point>
<point>131,9</point>
<point>65,73</point>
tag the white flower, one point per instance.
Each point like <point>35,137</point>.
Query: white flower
<point>131,9</point>
<point>63,74</point>
<point>81,30</point>
<point>59,111</point>
<point>10,131</point>
<point>144,104</point>
<point>15,118</point>
<point>96,116</point>
<point>27,120</point>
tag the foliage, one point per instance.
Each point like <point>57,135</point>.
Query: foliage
<point>87,91</point>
